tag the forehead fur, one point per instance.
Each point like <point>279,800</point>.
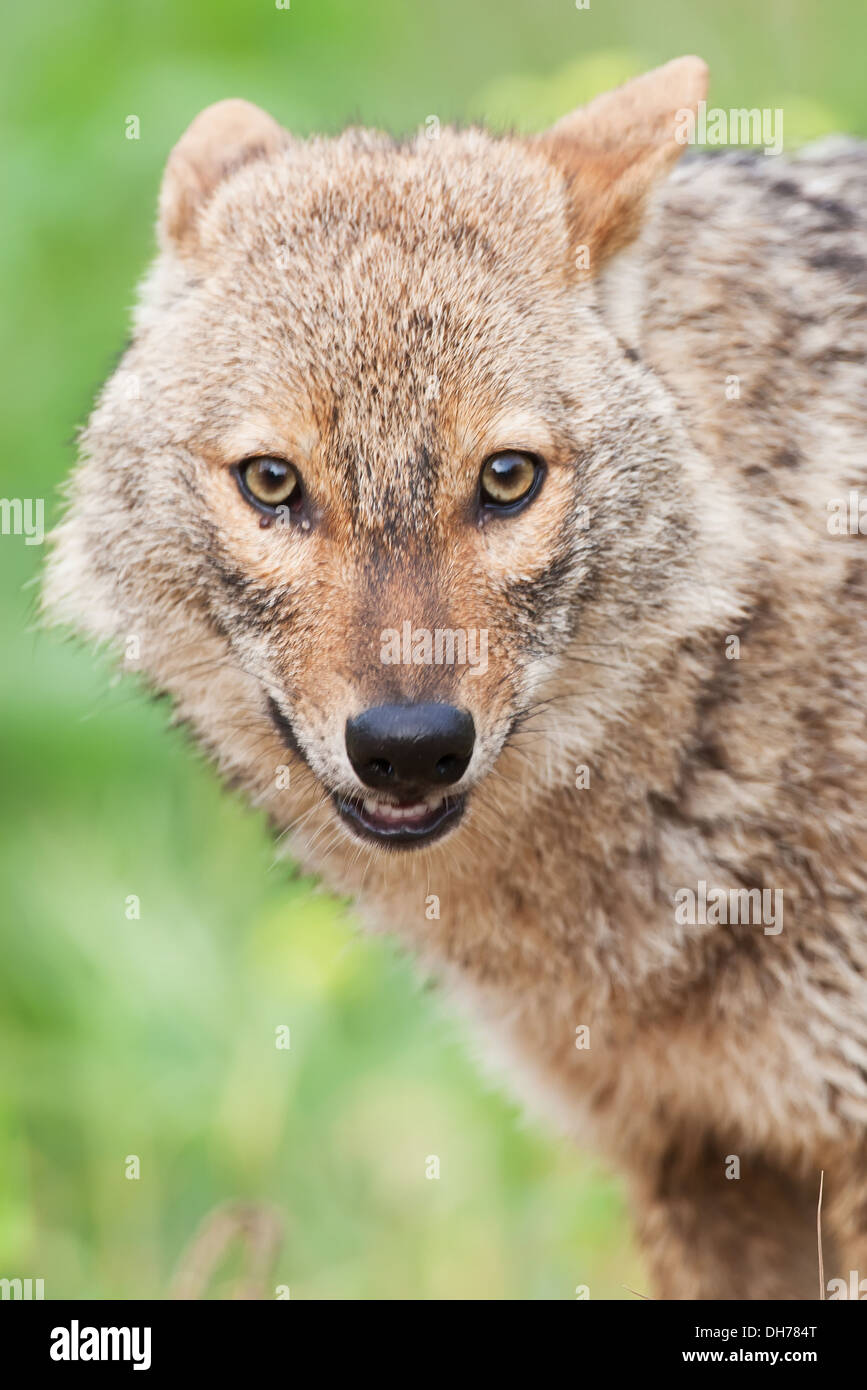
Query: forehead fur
<point>466,199</point>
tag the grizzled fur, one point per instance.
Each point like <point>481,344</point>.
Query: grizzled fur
<point>386,316</point>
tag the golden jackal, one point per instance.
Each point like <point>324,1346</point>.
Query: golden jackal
<point>492,486</point>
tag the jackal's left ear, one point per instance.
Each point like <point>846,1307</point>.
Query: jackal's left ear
<point>613,151</point>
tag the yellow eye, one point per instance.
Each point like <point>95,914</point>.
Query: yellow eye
<point>509,478</point>
<point>270,482</point>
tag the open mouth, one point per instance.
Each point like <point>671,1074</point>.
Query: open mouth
<point>400,825</point>
<point>394,824</point>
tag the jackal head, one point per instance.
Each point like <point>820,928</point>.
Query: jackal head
<point>375,460</point>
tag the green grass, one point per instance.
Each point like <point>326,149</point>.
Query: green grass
<point>156,1036</point>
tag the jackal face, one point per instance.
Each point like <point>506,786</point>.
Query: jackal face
<point>373,457</point>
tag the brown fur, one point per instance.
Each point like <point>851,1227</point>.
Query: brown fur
<point>387,315</point>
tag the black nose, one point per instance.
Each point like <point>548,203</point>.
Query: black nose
<point>401,747</point>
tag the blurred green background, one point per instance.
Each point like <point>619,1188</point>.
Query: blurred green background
<point>156,1037</point>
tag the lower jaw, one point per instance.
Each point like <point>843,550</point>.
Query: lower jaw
<point>411,835</point>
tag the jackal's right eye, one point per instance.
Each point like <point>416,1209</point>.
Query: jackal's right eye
<point>268,482</point>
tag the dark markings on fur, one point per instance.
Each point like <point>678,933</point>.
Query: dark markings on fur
<point>719,688</point>
<point>285,729</point>
<point>836,258</point>
<point>534,600</point>
<point>787,457</point>
<point>250,607</point>
<point>840,214</point>
<point>785,188</point>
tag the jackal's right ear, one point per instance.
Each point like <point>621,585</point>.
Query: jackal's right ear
<point>221,139</point>
<point>614,150</point>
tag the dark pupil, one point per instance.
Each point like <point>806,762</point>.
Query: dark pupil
<point>272,475</point>
<point>510,472</point>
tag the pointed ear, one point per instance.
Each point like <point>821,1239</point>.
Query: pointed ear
<point>613,151</point>
<point>221,139</point>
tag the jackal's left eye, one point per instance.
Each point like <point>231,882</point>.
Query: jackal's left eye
<point>509,478</point>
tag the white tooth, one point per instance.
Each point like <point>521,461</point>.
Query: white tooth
<point>384,810</point>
